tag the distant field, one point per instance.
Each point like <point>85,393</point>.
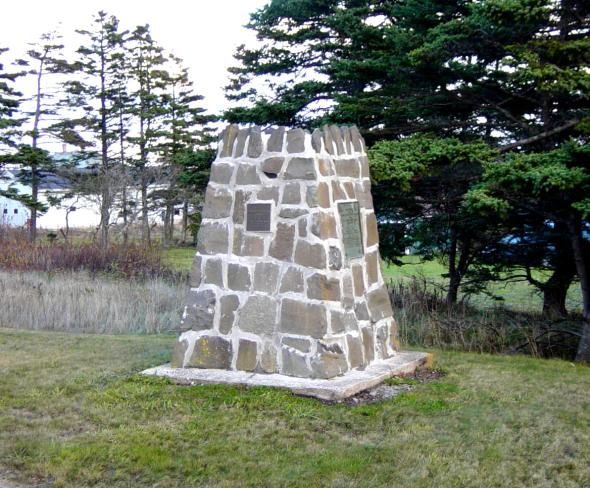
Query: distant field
<point>518,296</point>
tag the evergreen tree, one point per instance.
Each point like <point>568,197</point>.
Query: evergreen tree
<point>9,104</point>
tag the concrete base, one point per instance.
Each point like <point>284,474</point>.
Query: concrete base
<point>337,388</point>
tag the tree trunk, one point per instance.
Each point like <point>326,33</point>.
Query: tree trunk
<point>145,225</point>
<point>555,289</point>
<point>184,220</point>
<point>453,289</point>
<point>581,260</point>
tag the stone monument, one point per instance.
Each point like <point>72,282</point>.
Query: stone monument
<point>286,279</point>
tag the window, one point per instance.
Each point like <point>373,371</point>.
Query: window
<point>15,211</point>
<point>176,211</point>
<point>5,211</point>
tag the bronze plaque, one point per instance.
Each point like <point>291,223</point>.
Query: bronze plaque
<point>258,217</point>
<point>352,235</point>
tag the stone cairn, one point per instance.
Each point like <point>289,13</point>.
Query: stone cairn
<point>290,287</point>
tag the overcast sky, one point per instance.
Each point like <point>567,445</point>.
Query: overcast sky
<point>204,33</point>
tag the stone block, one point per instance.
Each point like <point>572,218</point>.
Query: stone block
<point>221,173</point>
<point>302,227</point>
<point>348,168</point>
<point>379,304</point>
<point>247,244</point>
<point>292,194</point>
<point>275,141</point>
<point>393,335</point>
<point>323,225</point>
<point>227,141</point>
<point>363,194</point>
<point>334,258</point>
<point>218,203</point>
<point>211,352</point>
<point>228,304</point>
<point>346,139</point>
<point>247,175</point>
<point>347,293</point>
<point>247,355</point>
<point>310,255</point>
<point>361,311</point>
<point>296,141</point>
<point>316,140</point>
<point>268,193</point>
<point>213,272</point>
<point>254,143</point>
<point>371,229</point>
<point>178,354</point>
<point>240,206</point>
<point>338,191</point>
<point>323,195</point>
<point>328,141</point>
<point>311,196</point>
<point>200,310</point>
<point>258,315</point>
<point>320,287</point>
<point>213,238</point>
<point>196,275</point>
<point>238,277</point>
<point>281,247</point>
<point>294,363</point>
<point>325,167</point>
<point>292,281</point>
<point>303,345</point>
<point>266,277</point>
<point>300,169</point>
<point>268,359</point>
<point>356,139</point>
<point>355,351</point>
<point>292,212</point>
<point>273,165</point>
<point>330,361</point>
<point>349,189</point>
<point>303,318</point>
<point>372,263</point>
<point>381,337</point>
<point>368,344</point>
<point>241,143</point>
<point>337,138</point>
<point>359,281</point>
<point>342,321</point>
<point>364,162</point>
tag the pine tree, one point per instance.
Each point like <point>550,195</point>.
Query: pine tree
<point>9,104</point>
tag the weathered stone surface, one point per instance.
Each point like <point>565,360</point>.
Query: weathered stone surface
<point>247,244</point>
<point>355,351</point>
<point>292,280</point>
<point>292,212</point>
<point>349,188</point>
<point>371,226</point>
<point>241,143</point>
<point>240,206</point>
<point>303,345</point>
<point>200,310</point>
<point>342,321</point>
<point>320,287</point>
<point>325,166</point>
<point>310,255</point>
<point>292,194</point>
<point>363,194</point>
<point>228,304</point>
<point>347,294</point>
<point>337,138</point>
<point>393,335</point>
<point>379,304</point>
<point>247,352</point>
<point>361,311</point>
<point>334,258</point>
<point>275,141</point>
<point>300,169</point>
<point>211,352</point>
<point>330,361</point>
<point>302,226</point>
<point>221,173</point>
<point>359,282</point>
<point>296,141</point>
<point>372,263</point>
<point>355,138</point>
<point>268,359</point>
<point>213,273</point>
<point>254,143</point>
<point>213,238</point>
<point>238,277</point>
<point>348,168</point>
<point>316,140</point>
<point>281,247</point>
<point>346,139</point>
<point>268,193</point>
<point>311,196</point>
<point>196,275</point>
<point>294,363</point>
<point>266,277</point>
<point>303,318</point>
<point>381,342</point>
<point>258,315</point>
<point>364,162</point>
<point>328,141</point>
<point>323,195</point>
<point>273,165</point>
<point>227,141</point>
<point>368,344</point>
<point>338,191</point>
<point>247,175</point>
<point>178,353</point>
<point>323,225</point>
<point>218,203</point>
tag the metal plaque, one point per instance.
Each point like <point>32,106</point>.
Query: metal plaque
<point>352,235</point>
<point>258,217</point>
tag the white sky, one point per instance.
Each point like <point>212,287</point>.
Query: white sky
<point>204,33</point>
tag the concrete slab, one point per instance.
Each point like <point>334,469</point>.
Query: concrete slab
<point>334,389</point>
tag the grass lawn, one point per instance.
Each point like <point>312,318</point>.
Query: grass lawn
<point>74,413</point>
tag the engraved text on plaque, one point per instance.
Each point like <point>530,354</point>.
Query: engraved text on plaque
<point>351,229</point>
<point>258,217</point>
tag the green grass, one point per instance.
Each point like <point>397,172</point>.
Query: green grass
<point>73,412</point>
<point>180,258</point>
